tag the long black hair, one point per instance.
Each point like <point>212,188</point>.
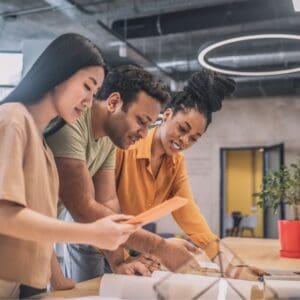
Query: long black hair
<point>65,55</point>
<point>204,92</point>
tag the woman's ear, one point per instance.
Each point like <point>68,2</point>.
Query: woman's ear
<point>114,102</point>
<point>167,114</point>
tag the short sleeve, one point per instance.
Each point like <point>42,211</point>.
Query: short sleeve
<point>69,142</point>
<point>119,164</point>
<point>110,161</point>
<point>12,149</point>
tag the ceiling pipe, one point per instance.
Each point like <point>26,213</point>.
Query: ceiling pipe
<point>88,20</point>
<point>223,15</point>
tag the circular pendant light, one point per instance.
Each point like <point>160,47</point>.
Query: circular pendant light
<point>203,61</point>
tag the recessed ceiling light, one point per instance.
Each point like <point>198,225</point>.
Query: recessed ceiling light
<point>123,50</point>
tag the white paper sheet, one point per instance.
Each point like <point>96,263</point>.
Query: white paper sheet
<point>176,286</point>
<point>223,286</point>
<point>286,289</point>
<point>127,287</point>
<point>220,289</point>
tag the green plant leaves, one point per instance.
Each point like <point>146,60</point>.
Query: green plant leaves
<point>280,186</point>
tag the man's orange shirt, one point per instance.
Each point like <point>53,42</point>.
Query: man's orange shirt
<point>138,190</point>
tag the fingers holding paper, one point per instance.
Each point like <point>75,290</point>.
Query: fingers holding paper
<point>110,232</point>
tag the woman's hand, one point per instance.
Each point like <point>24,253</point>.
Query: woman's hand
<point>109,233</point>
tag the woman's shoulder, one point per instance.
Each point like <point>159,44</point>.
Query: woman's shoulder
<point>13,109</point>
<point>14,113</point>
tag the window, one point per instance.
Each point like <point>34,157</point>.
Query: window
<point>11,64</point>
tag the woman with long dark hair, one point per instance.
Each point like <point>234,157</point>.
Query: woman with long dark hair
<point>60,86</point>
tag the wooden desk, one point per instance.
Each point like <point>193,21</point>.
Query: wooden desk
<point>263,253</point>
<point>82,289</point>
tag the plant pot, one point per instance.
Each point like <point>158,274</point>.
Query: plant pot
<point>289,237</point>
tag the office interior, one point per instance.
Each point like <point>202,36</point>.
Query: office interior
<point>256,42</point>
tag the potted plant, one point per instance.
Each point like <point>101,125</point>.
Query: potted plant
<point>284,186</point>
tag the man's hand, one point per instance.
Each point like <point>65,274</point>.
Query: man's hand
<point>176,255</point>
<point>150,261</point>
<point>183,243</point>
<point>132,266</point>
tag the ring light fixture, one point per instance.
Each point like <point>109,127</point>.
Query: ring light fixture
<point>206,64</point>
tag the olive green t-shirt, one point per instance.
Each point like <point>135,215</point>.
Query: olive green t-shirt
<point>77,142</point>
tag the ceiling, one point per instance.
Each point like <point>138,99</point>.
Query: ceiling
<point>166,36</point>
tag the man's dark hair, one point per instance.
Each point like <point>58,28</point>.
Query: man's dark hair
<point>129,80</point>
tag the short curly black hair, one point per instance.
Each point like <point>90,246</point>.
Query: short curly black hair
<point>204,92</point>
<point>129,80</point>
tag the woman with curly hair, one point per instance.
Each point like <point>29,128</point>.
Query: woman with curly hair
<point>154,170</point>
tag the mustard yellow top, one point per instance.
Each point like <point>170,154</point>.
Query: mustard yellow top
<point>138,190</point>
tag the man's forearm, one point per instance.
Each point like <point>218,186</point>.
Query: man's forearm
<point>142,241</point>
<point>91,212</point>
<point>145,241</point>
<point>112,203</point>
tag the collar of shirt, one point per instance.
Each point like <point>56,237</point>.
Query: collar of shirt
<point>144,149</point>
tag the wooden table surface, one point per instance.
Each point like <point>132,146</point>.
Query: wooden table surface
<point>82,289</point>
<point>263,253</point>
